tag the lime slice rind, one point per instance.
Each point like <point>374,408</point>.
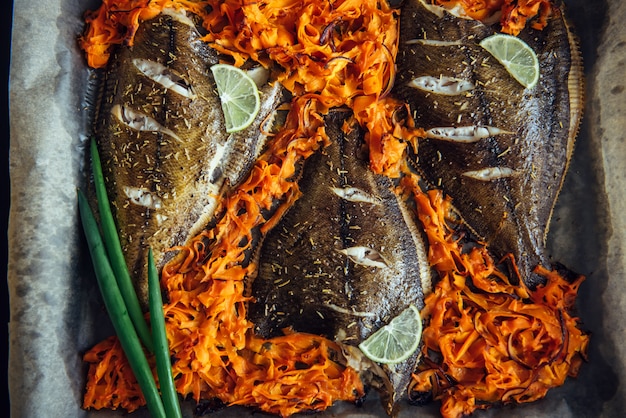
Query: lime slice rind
<point>396,341</point>
<point>516,56</point>
<point>239,96</point>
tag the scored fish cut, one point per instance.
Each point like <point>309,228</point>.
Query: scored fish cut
<point>166,156</point>
<point>499,150</point>
<point>345,259</point>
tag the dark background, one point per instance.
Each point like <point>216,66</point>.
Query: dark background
<point>5,26</point>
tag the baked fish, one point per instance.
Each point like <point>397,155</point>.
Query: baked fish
<point>499,150</point>
<point>345,259</point>
<point>166,156</point>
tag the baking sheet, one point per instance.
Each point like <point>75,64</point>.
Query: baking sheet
<point>55,307</point>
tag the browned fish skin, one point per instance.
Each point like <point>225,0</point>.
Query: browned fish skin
<point>528,133</point>
<point>166,155</point>
<point>307,279</point>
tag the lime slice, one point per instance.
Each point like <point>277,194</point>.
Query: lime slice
<point>517,57</point>
<point>239,96</point>
<point>397,340</point>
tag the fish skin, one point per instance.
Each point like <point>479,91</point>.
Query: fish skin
<point>306,281</point>
<point>511,213</point>
<point>165,176</point>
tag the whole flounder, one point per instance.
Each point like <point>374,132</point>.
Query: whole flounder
<point>166,155</point>
<point>344,260</point>
<point>498,149</point>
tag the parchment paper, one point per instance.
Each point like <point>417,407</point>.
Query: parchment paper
<point>56,312</point>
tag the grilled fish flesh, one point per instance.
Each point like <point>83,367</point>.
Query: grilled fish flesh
<point>499,150</point>
<point>345,259</point>
<point>165,152</point>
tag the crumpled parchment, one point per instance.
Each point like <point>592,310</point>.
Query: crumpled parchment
<point>56,313</point>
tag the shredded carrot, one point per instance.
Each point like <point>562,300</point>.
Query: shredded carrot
<point>387,135</point>
<point>112,381</point>
<point>515,14</point>
<point>489,340</point>
<point>339,49</point>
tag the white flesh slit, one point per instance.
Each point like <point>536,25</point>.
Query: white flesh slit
<point>218,159</point>
<point>348,311</point>
<point>354,194</point>
<point>491,173</point>
<point>464,134</point>
<point>220,155</point>
<point>433,42</point>
<point>143,197</point>
<point>446,86</point>
<point>159,73</point>
<point>365,256</point>
<point>140,122</point>
<point>179,15</point>
<point>259,74</point>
